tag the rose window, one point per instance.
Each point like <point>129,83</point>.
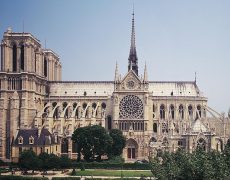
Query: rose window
<point>131,107</point>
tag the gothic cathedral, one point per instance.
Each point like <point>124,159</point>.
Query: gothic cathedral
<point>39,111</point>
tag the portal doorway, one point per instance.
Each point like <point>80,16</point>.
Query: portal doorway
<point>132,149</point>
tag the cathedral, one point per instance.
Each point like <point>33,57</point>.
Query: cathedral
<point>39,111</point>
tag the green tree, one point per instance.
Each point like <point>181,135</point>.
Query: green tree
<point>157,169</point>
<point>44,157</point>
<point>101,141</point>
<point>84,144</point>
<point>65,161</point>
<point>28,160</point>
<point>118,142</point>
<point>54,161</point>
<point>92,141</point>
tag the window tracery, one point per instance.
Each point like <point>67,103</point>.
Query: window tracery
<point>131,107</point>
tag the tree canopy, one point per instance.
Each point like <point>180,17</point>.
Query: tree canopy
<point>196,165</point>
<point>28,160</point>
<point>93,142</point>
<point>118,142</point>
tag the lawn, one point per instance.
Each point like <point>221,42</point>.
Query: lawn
<point>117,173</point>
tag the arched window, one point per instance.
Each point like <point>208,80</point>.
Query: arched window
<point>201,143</point>
<point>162,111</point>
<point>45,67</point>
<point>103,105</point>
<point>35,62</point>
<point>94,105</point>
<point>109,123</point>
<point>20,140</point>
<point>74,147</point>
<point>164,128</point>
<point>181,111</point>
<point>190,111</point>
<point>165,142</point>
<point>31,140</point>
<point>154,108</point>
<point>64,146</point>
<point>22,57</point>
<point>66,112</point>
<point>172,111</point>
<point>155,127</point>
<point>55,115</point>
<point>85,110</point>
<point>14,55</point>
<point>198,112</point>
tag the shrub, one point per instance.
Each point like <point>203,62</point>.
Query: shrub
<point>74,172</point>
<point>82,166</point>
<point>21,178</point>
<point>108,165</point>
<point>66,178</point>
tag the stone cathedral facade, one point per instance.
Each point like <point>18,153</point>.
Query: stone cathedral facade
<point>39,111</point>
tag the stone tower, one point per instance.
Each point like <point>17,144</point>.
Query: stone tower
<point>26,69</point>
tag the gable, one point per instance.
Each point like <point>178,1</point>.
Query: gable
<point>131,81</point>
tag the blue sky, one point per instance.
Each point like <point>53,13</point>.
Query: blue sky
<point>175,38</point>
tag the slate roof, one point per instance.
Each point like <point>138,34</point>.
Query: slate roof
<point>105,88</point>
<point>45,137</point>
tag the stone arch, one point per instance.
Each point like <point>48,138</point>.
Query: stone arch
<point>155,127</point>
<point>85,108</point>
<point>190,111</point>
<point>201,143</point>
<point>55,112</point>
<point>45,67</point>
<point>219,145</point>
<point>198,111</point>
<point>76,112</point>
<point>64,145</point>
<point>181,111</point>
<point>22,56</point>
<point>65,111</point>
<point>132,149</point>
<point>165,141</point>
<point>162,111</point>
<point>109,122</point>
<point>14,57</point>
<point>172,111</point>
<point>152,141</point>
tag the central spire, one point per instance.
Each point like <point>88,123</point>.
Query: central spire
<point>133,64</point>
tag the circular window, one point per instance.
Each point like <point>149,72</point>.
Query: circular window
<point>130,84</point>
<point>131,107</point>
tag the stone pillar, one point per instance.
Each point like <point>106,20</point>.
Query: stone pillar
<point>70,144</point>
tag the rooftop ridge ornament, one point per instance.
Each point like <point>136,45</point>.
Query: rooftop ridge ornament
<point>133,60</point>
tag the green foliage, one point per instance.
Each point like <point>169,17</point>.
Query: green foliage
<point>109,165</point>
<point>116,159</point>
<point>65,162</point>
<point>74,172</point>
<point>44,157</point>
<point>197,165</point>
<point>2,163</point>
<point>118,142</point>
<point>94,142</point>
<point>21,178</point>
<point>82,166</point>
<point>66,178</point>
<point>28,160</point>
